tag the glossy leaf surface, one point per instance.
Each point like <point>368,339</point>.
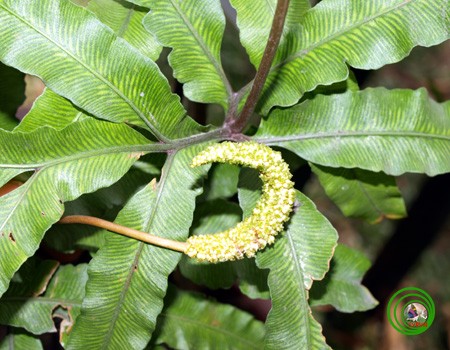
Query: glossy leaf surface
<point>36,291</point>
<point>299,256</point>
<point>394,131</point>
<point>84,61</point>
<point>80,158</point>
<point>362,34</point>
<point>361,193</point>
<point>342,287</point>
<point>254,19</point>
<point>194,29</point>
<point>126,21</point>
<point>128,278</point>
<point>190,321</point>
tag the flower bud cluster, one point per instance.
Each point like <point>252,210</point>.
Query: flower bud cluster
<point>267,218</point>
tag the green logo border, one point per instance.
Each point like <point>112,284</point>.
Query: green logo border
<point>413,295</point>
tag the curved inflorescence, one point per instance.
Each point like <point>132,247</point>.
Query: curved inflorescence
<point>267,218</point>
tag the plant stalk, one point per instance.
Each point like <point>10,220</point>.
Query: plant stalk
<point>125,231</point>
<point>237,125</point>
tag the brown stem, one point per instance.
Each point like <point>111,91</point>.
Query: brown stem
<point>237,125</point>
<point>126,231</point>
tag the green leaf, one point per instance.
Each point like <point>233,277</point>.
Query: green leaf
<point>361,193</point>
<point>12,91</point>
<point>362,34</point>
<point>342,286</point>
<point>143,3</point>
<point>299,256</point>
<point>222,181</point>
<point>8,174</point>
<point>125,20</point>
<point>254,19</point>
<point>83,3</point>
<point>31,300</point>
<point>81,158</point>
<point>6,122</point>
<point>215,216</point>
<point>394,131</point>
<point>350,84</point>
<point>249,190</point>
<point>20,340</point>
<point>104,203</point>
<point>194,29</point>
<point>128,278</point>
<point>52,110</point>
<point>188,321</point>
<point>83,60</point>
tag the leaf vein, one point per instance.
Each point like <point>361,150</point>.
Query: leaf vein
<point>94,73</point>
<point>205,49</point>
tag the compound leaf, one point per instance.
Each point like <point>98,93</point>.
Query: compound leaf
<point>104,203</point>
<point>300,256</point>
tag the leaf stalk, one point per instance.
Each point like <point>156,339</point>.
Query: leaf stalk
<point>125,231</point>
<point>237,125</point>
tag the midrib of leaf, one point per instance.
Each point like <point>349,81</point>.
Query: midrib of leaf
<point>123,294</point>
<point>94,73</point>
<point>19,201</point>
<point>339,134</point>
<point>41,300</point>
<point>126,22</point>
<point>11,341</point>
<point>122,149</point>
<point>90,154</point>
<point>161,186</point>
<point>301,288</point>
<point>140,246</point>
<point>208,326</point>
<point>374,205</point>
<point>197,37</point>
<point>339,33</point>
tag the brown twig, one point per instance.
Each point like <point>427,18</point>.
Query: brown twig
<point>238,124</point>
<point>126,231</point>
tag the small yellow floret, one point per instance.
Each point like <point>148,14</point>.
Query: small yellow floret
<point>267,218</point>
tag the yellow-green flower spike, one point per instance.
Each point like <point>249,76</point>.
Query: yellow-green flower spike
<point>270,213</point>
